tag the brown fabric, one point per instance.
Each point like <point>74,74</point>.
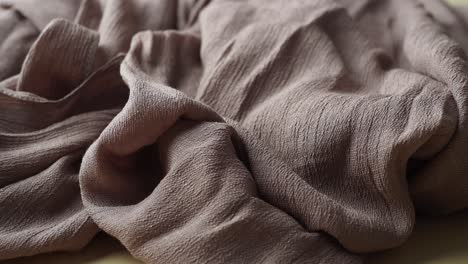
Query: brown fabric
<point>250,131</point>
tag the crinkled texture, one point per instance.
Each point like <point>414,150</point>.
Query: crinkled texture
<point>253,131</point>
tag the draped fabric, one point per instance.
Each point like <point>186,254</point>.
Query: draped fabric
<point>223,131</point>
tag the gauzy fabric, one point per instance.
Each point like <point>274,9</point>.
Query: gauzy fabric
<point>229,131</point>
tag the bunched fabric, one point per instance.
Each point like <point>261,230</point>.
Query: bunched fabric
<point>223,131</point>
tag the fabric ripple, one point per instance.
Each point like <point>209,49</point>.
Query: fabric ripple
<point>226,131</point>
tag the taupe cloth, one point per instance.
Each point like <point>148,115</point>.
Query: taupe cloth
<point>223,131</point>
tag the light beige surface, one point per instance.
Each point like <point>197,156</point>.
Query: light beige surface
<point>441,240</point>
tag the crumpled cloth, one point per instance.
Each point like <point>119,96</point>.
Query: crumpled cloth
<point>223,131</point>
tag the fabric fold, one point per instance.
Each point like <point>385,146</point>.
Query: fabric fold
<point>16,37</point>
<point>254,131</point>
<point>60,59</point>
<point>42,141</point>
<point>181,176</point>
